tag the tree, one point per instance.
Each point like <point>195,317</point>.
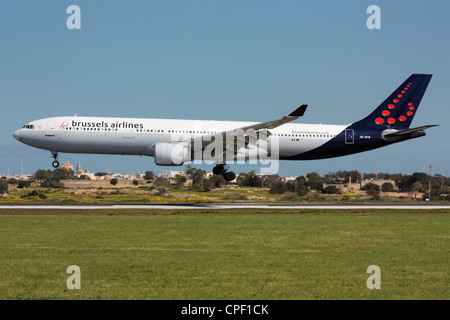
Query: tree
<point>217,180</point>
<point>149,175</point>
<point>372,190</point>
<point>161,182</point>
<point>207,184</point>
<point>180,179</point>
<point>3,187</point>
<point>278,188</point>
<point>61,174</point>
<point>418,186</point>
<point>114,181</point>
<point>249,179</point>
<point>301,186</point>
<point>355,175</point>
<point>330,178</point>
<point>43,174</point>
<point>23,184</point>
<point>344,177</point>
<point>314,181</point>
<point>421,177</point>
<point>269,180</point>
<point>197,176</point>
<point>330,190</point>
<point>387,187</point>
<point>371,186</point>
<point>373,193</point>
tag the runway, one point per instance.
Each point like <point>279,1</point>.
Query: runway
<point>209,206</point>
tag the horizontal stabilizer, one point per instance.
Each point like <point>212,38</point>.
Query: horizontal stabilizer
<point>392,135</point>
<point>404,132</point>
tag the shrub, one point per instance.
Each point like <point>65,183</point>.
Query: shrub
<point>33,193</point>
<point>330,190</point>
<point>288,195</point>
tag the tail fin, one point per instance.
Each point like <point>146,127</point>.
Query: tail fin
<point>398,110</point>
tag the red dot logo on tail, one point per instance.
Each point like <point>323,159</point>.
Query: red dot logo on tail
<point>379,120</point>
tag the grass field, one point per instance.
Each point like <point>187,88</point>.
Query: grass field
<point>225,254</point>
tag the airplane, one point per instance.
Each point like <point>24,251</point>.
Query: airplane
<point>173,142</point>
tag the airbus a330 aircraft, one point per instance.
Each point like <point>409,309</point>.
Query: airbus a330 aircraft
<point>173,142</point>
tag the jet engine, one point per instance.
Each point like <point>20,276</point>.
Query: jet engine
<point>171,154</point>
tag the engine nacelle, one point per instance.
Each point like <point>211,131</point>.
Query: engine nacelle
<point>171,154</point>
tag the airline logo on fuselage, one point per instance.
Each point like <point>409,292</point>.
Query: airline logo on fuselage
<point>103,124</point>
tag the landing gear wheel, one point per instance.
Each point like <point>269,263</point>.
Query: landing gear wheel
<point>220,169</point>
<point>229,176</point>
<point>55,163</point>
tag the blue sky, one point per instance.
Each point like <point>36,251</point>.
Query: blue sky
<point>223,60</point>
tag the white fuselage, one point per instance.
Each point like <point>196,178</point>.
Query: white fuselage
<point>137,136</point>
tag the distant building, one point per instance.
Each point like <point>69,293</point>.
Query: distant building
<point>170,174</point>
<point>378,182</point>
<point>79,169</point>
<point>67,166</point>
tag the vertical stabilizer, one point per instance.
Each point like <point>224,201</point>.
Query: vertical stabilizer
<point>398,110</point>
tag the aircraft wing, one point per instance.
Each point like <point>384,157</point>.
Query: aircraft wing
<point>240,136</point>
<point>243,131</point>
<point>297,113</point>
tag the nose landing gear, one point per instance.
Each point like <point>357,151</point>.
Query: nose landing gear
<point>55,163</point>
<point>222,169</point>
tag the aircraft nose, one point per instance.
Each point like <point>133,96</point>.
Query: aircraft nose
<point>16,135</point>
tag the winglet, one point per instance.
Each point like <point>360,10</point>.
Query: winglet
<point>299,111</point>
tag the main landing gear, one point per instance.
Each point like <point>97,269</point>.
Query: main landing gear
<point>55,163</point>
<point>222,169</point>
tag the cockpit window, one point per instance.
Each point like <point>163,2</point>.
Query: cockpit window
<point>28,126</point>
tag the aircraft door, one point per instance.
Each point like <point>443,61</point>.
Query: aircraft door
<point>349,136</point>
<point>50,129</point>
